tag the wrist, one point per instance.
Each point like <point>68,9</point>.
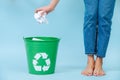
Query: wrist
<point>51,7</point>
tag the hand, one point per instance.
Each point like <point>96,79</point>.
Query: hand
<point>45,9</point>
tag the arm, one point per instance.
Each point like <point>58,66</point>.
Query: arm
<point>49,7</point>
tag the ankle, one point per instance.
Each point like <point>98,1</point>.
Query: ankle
<point>91,59</point>
<point>99,60</point>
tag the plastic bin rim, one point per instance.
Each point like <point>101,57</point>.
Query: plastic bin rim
<point>30,39</point>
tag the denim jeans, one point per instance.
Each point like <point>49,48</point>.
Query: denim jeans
<point>97,26</point>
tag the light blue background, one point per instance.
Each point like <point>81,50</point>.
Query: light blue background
<point>66,23</point>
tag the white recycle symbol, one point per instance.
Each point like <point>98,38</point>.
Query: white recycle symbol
<point>39,67</point>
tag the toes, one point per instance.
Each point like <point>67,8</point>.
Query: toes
<point>98,73</point>
<point>83,72</point>
<point>95,73</point>
<point>86,73</point>
<point>89,74</point>
<point>102,73</point>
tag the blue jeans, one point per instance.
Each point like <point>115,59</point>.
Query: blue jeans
<point>97,26</point>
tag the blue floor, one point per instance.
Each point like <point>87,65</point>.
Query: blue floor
<point>17,21</point>
<point>63,74</point>
<point>14,66</point>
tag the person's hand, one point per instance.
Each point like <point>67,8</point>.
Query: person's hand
<point>45,9</point>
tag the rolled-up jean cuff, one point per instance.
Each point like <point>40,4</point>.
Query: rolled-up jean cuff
<point>101,56</point>
<point>90,53</point>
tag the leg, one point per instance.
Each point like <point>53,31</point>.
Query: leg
<point>90,66</point>
<point>98,71</point>
<point>105,14</point>
<point>90,23</point>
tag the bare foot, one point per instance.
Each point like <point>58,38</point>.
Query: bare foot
<point>90,66</point>
<point>98,71</point>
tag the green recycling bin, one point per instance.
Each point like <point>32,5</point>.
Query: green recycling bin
<point>41,54</point>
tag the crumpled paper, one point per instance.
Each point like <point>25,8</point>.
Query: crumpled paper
<point>41,18</point>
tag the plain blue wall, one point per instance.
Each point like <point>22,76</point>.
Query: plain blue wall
<point>66,23</point>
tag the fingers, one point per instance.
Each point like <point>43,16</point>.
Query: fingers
<point>42,13</point>
<point>39,9</point>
